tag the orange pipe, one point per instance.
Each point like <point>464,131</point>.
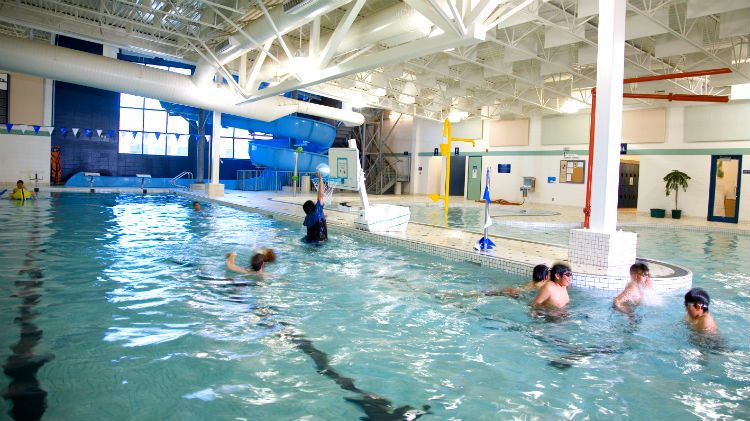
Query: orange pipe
<point>680,97</point>
<point>587,208</point>
<point>677,75</point>
<point>670,97</point>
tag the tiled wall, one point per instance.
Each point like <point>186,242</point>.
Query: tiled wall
<point>608,252</point>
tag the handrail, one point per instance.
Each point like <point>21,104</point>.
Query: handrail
<point>173,181</point>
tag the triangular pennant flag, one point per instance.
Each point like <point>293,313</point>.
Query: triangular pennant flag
<point>135,133</point>
<point>208,138</point>
<point>176,137</point>
<point>488,223</point>
<point>63,131</point>
<point>99,132</point>
<point>75,132</point>
<point>9,126</point>
<point>157,134</point>
<point>36,129</point>
<point>88,132</point>
<point>111,134</point>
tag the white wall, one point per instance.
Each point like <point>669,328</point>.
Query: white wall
<point>541,161</point>
<point>23,156</point>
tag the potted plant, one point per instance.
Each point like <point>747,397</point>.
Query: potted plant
<point>673,181</point>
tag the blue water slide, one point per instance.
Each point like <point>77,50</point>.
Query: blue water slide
<point>289,132</point>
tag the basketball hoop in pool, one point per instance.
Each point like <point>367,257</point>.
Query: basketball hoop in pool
<point>329,185</point>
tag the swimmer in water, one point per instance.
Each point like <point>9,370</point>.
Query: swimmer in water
<point>636,290</point>
<point>197,206</point>
<point>539,278</point>
<point>257,261</point>
<point>696,306</point>
<point>554,293</point>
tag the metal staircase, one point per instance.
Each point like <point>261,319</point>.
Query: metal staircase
<point>382,167</point>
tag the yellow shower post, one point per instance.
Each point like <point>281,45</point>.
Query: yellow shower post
<point>445,150</point>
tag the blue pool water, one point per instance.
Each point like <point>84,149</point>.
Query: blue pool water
<point>127,313</point>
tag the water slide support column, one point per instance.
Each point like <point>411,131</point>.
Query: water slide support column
<point>214,189</point>
<point>603,249</point>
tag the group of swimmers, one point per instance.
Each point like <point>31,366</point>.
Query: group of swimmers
<point>317,232</point>
<point>552,283</point>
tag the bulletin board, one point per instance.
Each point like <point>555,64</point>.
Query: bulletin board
<point>572,171</point>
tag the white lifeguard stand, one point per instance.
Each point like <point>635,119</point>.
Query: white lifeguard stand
<point>345,166</point>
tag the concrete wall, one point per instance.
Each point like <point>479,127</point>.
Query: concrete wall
<point>23,156</point>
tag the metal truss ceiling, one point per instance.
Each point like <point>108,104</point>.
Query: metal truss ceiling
<point>494,59</point>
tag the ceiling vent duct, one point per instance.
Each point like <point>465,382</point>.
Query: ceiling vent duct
<point>294,5</point>
<point>223,47</point>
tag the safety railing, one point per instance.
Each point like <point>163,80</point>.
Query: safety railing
<point>272,180</point>
<point>179,176</point>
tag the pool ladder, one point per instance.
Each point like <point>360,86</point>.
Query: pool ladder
<point>173,181</point>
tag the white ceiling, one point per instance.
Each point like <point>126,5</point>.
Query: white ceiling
<point>495,59</point>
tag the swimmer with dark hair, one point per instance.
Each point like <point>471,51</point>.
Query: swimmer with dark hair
<point>197,206</point>
<point>539,277</point>
<point>635,290</point>
<point>257,261</point>
<point>698,318</point>
<point>554,293</point>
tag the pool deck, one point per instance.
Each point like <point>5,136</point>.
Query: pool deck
<point>512,255</point>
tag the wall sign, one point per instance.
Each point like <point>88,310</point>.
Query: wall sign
<point>572,171</point>
<point>503,168</point>
<point>551,179</point>
<point>623,148</point>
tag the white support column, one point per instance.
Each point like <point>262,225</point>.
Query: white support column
<point>609,75</point>
<point>214,189</point>
<point>602,249</point>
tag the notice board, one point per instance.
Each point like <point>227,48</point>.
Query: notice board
<point>572,171</point>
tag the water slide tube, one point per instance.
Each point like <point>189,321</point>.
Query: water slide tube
<point>314,137</point>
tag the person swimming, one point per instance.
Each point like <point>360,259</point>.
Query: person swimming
<point>539,277</point>
<point>697,316</point>
<point>257,261</point>
<point>554,293</point>
<point>637,291</point>
<point>20,192</point>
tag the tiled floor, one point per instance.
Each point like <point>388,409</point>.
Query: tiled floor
<point>510,255</point>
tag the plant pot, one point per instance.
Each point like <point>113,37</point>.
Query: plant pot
<point>658,213</point>
<point>676,213</point>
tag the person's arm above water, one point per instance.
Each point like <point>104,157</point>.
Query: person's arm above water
<point>231,257</point>
<point>321,188</point>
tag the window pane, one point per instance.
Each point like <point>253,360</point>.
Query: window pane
<point>128,144</point>
<point>154,146</point>
<point>241,149</point>
<point>158,67</point>
<point>225,147</point>
<point>127,100</point>
<point>242,134</point>
<point>177,124</point>
<point>153,104</point>
<point>181,70</point>
<point>154,121</point>
<point>226,132</point>
<point>177,147</point>
<point>131,119</point>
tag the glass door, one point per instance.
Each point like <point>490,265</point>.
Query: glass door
<point>724,191</point>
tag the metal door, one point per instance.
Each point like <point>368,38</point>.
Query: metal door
<point>474,185</point>
<point>458,176</point>
<point>627,195</point>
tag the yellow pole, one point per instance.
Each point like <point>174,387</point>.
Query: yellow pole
<point>445,150</point>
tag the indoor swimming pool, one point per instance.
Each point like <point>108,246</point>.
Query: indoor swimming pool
<point>119,307</point>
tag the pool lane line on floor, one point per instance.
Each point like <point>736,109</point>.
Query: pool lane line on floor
<point>24,391</point>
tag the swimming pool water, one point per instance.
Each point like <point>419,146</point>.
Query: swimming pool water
<point>129,314</point>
